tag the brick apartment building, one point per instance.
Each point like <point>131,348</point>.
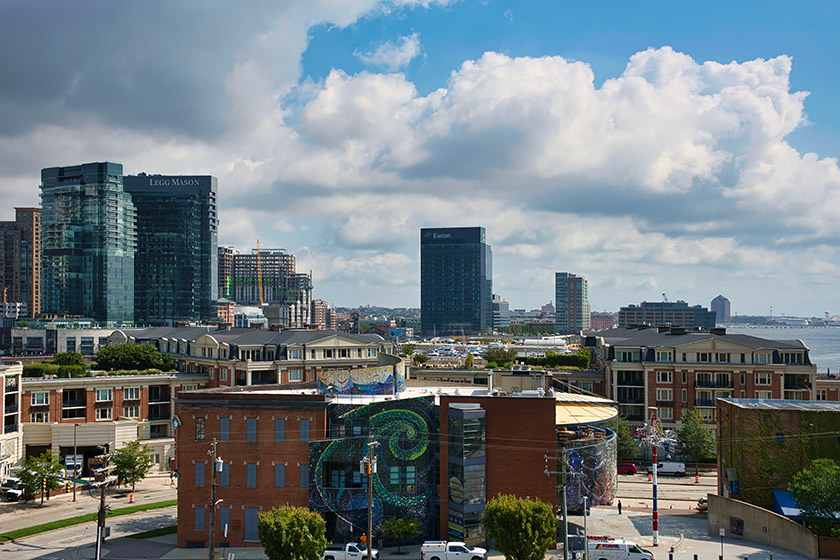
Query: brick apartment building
<point>676,369</point>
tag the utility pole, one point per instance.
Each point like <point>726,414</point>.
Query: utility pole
<point>565,511</point>
<point>370,469</point>
<point>75,468</point>
<point>103,509</point>
<point>214,459</point>
<point>585,533</point>
<point>654,441</point>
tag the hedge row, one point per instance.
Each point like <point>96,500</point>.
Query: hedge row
<point>579,360</point>
<point>42,369</point>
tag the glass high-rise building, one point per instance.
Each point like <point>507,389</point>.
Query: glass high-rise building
<point>456,281</point>
<point>88,243</point>
<point>20,260</point>
<point>572,312</point>
<point>177,247</point>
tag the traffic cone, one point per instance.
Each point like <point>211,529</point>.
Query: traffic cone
<point>696,479</point>
<point>650,477</point>
<point>131,498</point>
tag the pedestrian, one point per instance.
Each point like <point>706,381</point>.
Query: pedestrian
<point>619,507</point>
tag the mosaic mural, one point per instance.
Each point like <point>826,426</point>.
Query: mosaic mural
<point>379,380</point>
<point>404,484</point>
<point>591,471</point>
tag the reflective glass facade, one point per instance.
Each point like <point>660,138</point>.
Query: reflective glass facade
<point>466,472</point>
<point>456,281</point>
<point>176,270</point>
<point>89,241</point>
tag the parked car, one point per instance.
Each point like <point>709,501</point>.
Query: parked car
<point>702,505</point>
<point>443,550</point>
<point>627,468</point>
<point>12,488</point>
<point>666,468</point>
<point>606,548</point>
<point>349,551</point>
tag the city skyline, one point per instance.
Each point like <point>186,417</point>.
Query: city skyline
<point>652,149</point>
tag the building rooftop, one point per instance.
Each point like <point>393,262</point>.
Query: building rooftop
<point>651,338</point>
<point>762,404</point>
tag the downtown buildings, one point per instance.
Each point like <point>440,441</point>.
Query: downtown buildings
<point>721,307</point>
<point>572,313</point>
<point>671,313</point>
<point>20,263</point>
<point>456,281</point>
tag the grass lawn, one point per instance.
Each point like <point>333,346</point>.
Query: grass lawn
<point>52,525</point>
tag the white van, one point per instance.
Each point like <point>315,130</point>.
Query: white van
<point>667,468</point>
<point>617,549</point>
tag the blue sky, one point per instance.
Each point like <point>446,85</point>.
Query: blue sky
<point>653,147</point>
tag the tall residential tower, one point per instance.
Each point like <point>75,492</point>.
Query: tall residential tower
<point>456,281</point>
<point>572,312</point>
<point>177,238</point>
<point>20,260</point>
<point>89,240</point>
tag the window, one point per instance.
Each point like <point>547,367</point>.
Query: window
<point>410,475</point>
<point>371,352</point>
<point>663,356</point>
<point>251,475</point>
<point>40,398</point>
<point>664,395</point>
<point>683,356</point>
<point>761,359</point>
<point>666,413</point>
<point>343,353</point>
<point>103,413</point>
<point>252,521</point>
<point>251,429</point>
<point>71,343</point>
<point>684,378</point>
<point>706,414</point>
<point>103,395</point>
<point>762,378</point>
<point>304,476</point>
<point>223,375</point>
<point>199,518</point>
<point>664,377</point>
<point>199,429</point>
<point>131,411</point>
<point>189,387</point>
<point>224,475</point>
<point>295,375</point>
<point>131,393</point>
<point>279,429</point>
<point>723,357</point>
<point>684,395</point>
<point>224,429</point>
<point>704,357</point>
<point>304,431</point>
<point>763,395</point>
<point>294,354</point>
<point>627,356</point>
<point>743,378</point>
<point>822,395</point>
<point>199,474</point>
<point>394,476</point>
<point>279,476</point>
<point>328,353</point>
<point>224,518</point>
<point>36,417</point>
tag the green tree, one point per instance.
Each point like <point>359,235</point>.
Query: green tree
<point>694,440</point>
<point>45,468</point>
<point>524,529</point>
<point>816,490</point>
<point>400,529</point>
<point>408,349</point>
<point>499,355</point>
<point>132,356</point>
<point>132,463</point>
<point>69,359</point>
<point>626,446</point>
<point>420,359</point>
<point>469,362</point>
<point>292,533</point>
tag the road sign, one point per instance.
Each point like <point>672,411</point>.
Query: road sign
<point>176,421</point>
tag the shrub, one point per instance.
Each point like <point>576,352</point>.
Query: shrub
<point>71,371</point>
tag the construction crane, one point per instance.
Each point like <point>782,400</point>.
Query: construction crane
<point>259,274</point>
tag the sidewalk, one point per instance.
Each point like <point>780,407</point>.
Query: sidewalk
<point>15,515</point>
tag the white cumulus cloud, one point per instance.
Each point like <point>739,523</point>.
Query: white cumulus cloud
<point>393,56</point>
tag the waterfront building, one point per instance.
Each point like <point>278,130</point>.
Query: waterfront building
<point>720,306</point>
<point>675,369</point>
<point>175,265</point>
<point>89,242</point>
<point>20,260</point>
<point>572,313</point>
<point>670,313</point>
<point>456,281</point>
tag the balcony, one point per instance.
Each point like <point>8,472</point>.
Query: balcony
<point>669,402</point>
<point>74,404</point>
<point>797,382</point>
<point>704,402</point>
<point>628,381</point>
<point>713,384</point>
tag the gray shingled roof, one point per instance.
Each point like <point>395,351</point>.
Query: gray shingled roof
<point>762,404</point>
<point>246,337</point>
<point>649,338</point>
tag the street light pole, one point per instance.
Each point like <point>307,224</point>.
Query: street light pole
<point>585,534</point>
<point>211,545</point>
<point>371,469</point>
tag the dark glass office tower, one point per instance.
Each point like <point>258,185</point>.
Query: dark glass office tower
<point>456,281</point>
<point>177,248</point>
<point>88,242</point>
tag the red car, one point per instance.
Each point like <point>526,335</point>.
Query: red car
<point>626,468</point>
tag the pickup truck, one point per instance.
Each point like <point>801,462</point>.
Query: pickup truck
<point>443,550</point>
<point>12,489</point>
<point>349,551</point>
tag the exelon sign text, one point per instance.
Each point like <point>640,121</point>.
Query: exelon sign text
<point>441,235</point>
